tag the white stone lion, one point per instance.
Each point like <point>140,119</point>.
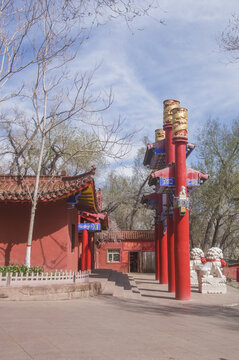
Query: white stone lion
<point>196,262</point>
<point>196,254</point>
<point>211,278</point>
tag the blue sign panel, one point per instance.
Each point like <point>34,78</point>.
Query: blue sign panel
<point>159,151</point>
<point>171,182</point>
<point>193,182</point>
<point>167,181</point>
<point>89,227</point>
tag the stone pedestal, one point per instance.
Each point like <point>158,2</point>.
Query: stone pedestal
<point>211,278</point>
<point>212,285</point>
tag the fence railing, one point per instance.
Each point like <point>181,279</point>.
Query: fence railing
<point>10,279</point>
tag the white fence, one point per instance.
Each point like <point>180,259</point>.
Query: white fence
<point>61,277</point>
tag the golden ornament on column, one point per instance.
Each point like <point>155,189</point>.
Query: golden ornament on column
<point>169,105</point>
<point>180,123</point>
<point>159,135</point>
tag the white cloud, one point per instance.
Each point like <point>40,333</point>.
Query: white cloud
<point>178,60</point>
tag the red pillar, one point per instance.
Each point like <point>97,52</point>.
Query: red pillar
<point>169,105</point>
<point>89,251</point>
<point>84,250</point>
<point>156,249</point>
<point>171,256</point>
<point>181,222</point>
<point>163,249</point>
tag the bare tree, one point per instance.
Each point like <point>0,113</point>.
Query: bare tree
<point>17,21</point>
<point>47,35</point>
<point>229,39</point>
<point>123,194</point>
<point>215,211</point>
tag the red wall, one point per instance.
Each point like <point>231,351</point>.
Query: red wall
<point>231,271</point>
<point>51,246</point>
<point>100,255</point>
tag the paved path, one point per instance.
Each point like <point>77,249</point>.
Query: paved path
<point>124,324</point>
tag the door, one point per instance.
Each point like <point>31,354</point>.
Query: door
<point>148,261</point>
<point>134,261</point>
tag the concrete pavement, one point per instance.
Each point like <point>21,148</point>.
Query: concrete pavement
<point>119,326</point>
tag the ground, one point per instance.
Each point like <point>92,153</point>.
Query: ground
<point>109,327</point>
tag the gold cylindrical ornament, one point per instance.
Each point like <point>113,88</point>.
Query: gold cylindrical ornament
<point>169,105</point>
<point>159,135</point>
<point>180,123</point>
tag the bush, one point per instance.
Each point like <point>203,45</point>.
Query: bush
<point>17,269</point>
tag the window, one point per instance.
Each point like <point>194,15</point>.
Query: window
<point>73,231</point>
<point>113,255</point>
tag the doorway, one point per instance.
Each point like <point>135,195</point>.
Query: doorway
<point>134,261</point>
<point>148,261</point>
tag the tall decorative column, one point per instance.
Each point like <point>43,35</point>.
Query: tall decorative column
<point>169,105</point>
<point>84,250</point>
<point>161,242</point>
<point>181,216</point>
<point>159,136</point>
<point>89,250</point>
<point>156,234</point>
<point>163,247</point>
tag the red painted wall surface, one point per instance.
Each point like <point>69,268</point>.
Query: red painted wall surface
<point>231,271</point>
<point>101,258</point>
<point>100,253</point>
<point>51,246</point>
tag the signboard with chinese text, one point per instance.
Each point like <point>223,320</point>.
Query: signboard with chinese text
<point>132,245</point>
<point>89,227</point>
<point>148,246</point>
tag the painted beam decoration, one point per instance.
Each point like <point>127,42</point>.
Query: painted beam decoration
<point>162,181</point>
<point>89,227</point>
<point>166,178</point>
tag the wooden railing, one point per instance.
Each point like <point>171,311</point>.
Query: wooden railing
<point>10,279</point>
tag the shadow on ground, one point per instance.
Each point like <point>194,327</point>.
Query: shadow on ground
<point>230,315</point>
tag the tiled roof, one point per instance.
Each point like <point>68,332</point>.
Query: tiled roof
<point>94,218</point>
<point>21,188</point>
<point>155,156</point>
<point>127,235</point>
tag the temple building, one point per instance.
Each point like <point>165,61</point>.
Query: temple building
<point>57,243</point>
<point>125,251</point>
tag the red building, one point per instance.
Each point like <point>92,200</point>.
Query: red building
<point>125,251</point>
<point>55,242</point>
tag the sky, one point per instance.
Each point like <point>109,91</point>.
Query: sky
<point>150,62</point>
<point>171,54</point>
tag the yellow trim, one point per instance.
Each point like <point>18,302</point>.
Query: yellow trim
<point>88,196</point>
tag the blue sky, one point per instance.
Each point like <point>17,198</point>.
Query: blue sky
<point>151,62</point>
<point>148,63</point>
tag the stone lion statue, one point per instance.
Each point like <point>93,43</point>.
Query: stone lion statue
<point>196,261</point>
<point>196,254</point>
<point>214,253</point>
<point>211,278</point>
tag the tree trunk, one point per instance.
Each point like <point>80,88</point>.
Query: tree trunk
<point>34,205</point>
